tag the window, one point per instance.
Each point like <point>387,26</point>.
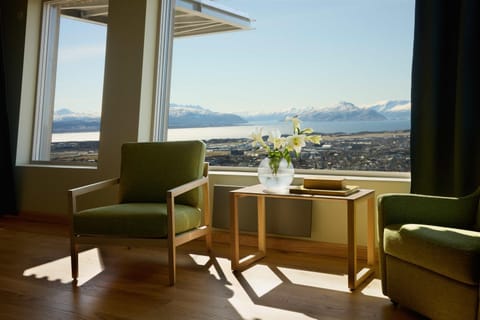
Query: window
<point>342,66</point>
<point>70,81</point>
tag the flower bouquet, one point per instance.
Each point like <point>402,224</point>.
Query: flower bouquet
<point>279,150</point>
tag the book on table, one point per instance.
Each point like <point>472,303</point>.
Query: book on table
<point>324,183</point>
<point>346,191</point>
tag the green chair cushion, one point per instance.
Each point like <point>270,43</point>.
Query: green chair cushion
<point>149,169</point>
<point>454,253</point>
<point>136,220</point>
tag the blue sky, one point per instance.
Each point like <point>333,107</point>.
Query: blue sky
<point>81,62</point>
<point>299,53</point>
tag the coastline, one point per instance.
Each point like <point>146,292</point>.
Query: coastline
<point>363,151</point>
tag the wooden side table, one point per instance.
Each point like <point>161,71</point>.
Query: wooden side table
<point>362,196</point>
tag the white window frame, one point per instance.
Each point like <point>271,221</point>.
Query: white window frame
<point>164,70</point>
<point>161,132</point>
<point>47,67</point>
<point>46,83</point>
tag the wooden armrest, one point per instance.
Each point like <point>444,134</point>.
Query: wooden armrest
<point>179,190</point>
<point>75,192</point>
<point>174,192</point>
<point>93,187</point>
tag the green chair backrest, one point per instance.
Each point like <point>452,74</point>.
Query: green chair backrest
<point>149,169</point>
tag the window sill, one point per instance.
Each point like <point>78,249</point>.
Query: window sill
<point>301,173</point>
<point>57,166</point>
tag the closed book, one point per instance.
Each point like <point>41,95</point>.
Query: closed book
<point>348,190</point>
<point>326,183</point>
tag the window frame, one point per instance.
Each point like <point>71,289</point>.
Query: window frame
<point>164,70</point>
<point>51,12</point>
<point>344,172</point>
<point>47,67</point>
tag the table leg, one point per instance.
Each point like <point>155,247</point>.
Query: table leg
<point>234,231</point>
<point>351,244</point>
<point>261,225</point>
<point>356,278</point>
<point>241,263</point>
<point>371,231</point>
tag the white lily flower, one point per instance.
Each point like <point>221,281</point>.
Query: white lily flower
<point>314,139</point>
<point>296,142</point>
<point>278,147</point>
<point>296,124</point>
<point>307,130</point>
<point>256,137</point>
<point>276,139</point>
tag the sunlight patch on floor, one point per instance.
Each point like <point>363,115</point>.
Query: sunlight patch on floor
<point>241,299</point>
<point>247,257</point>
<point>249,310</point>
<point>90,264</point>
<point>244,303</point>
<point>199,259</point>
<point>251,285</point>
<point>374,289</point>
<point>261,279</point>
<point>202,260</point>
<point>214,272</point>
<point>316,279</point>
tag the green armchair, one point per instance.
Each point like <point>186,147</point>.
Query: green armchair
<point>163,200</point>
<point>429,250</point>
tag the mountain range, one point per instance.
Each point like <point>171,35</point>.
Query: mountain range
<point>65,120</point>
<point>187,116</point>
<point>392,109</point>
<point>192,116</point>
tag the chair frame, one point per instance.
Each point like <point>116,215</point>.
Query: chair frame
<point>172,241</point>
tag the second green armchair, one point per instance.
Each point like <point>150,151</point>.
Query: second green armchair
<point>429,249</point>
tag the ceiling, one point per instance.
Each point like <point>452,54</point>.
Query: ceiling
<point>192,17</point>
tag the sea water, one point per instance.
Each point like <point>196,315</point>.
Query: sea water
<point>244,131</point>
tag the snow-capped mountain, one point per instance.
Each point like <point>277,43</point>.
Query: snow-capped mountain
<point>194,116</point>
<point>64,114</point>
<point>392,109</point>
<point>180,116</point>
<point>65,120</point>
<point>187,116</point>
<point>342,111</point>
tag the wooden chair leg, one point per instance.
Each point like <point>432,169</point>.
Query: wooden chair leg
<point>208,240</point>
<point>171,263</point>
<point>74,258</point>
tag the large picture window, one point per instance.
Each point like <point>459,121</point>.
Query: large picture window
<point>70,81</point>
<point>343,67</point>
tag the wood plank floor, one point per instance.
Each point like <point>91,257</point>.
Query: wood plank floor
<point>122,283</point>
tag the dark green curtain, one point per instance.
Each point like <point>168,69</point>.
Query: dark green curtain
<point>7,197</point>
<point>445,132</point>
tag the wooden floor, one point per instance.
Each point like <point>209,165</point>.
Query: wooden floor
<point>123,283</point>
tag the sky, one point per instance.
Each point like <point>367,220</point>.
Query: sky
<point>80,66</point>
<point>299,53</point>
